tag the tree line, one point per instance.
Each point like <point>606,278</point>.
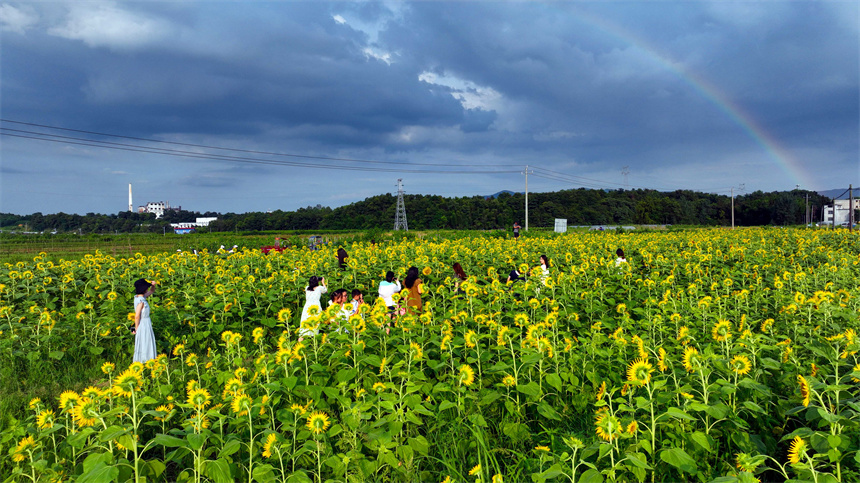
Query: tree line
<point>426,212</point>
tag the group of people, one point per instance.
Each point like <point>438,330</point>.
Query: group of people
<point>349,302</point>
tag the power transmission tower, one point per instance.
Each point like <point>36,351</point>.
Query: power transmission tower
<point>400,217</point>
<point>624,172</point>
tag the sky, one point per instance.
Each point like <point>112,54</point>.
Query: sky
<point>276,105</point>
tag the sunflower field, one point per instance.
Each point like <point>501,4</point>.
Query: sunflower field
<point>711,355</point>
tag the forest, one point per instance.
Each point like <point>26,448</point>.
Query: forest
<point>579,206</point>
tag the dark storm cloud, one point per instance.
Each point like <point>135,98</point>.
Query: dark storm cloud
<point>584,87</point>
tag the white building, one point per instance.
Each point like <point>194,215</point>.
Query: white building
<point>200,222</point>
<point>157,207</point>
<point>842,212</point>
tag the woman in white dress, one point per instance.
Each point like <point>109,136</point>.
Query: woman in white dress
<point>316,287</point>
<point>144,337</point>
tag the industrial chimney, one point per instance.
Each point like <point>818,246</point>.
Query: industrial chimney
<point>130,207</point>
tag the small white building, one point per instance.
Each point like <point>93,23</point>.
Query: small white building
<point>156,207</point>
<point>843,210</point>
<point>200,222</point>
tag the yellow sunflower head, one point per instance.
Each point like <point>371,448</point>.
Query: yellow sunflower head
<point>318,422</point>
<point>467,375</point>
<point>741,365</point>
<point>639,372</point>
<point>796,450</point>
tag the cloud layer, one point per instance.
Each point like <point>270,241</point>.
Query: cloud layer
<point>693,95</point>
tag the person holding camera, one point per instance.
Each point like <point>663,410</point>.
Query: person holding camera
<point>144,337</point>
<point>387,288</point>
<point>316,287</point>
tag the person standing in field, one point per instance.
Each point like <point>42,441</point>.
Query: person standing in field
<point>387,288</point>
<point>413,300</point>
<point>544,268</point>
<point>460,276</point>
<point>516,231</point>
<point>316,287</point>
<point>341,258</point>
<point>144,337</point>
<point>621,259</point>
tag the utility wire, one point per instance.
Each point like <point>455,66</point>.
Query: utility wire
<point>250,151</point>
<point>220,157</point>
<point>82,141</point>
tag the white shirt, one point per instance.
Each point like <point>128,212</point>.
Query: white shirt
<point>387,289</point>
<point>619,261</point>
<point>313,299</point>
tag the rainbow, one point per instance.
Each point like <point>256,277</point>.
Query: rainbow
<point>710,93</point>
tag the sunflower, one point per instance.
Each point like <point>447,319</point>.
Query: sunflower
<point>601,391</point>
<point>241,404</point>
<point>427,271</point>
<point>796,450</point>
<point>690,358</point>
<point>521,320</point>
<point>542,448</point>
<point>108,367</point>
<point>804,389</point>
<point>91,393</point>
<point>639,372</point>
<point>474,471</point>
<point>257,334</point>
<point>86,413</point>
<point>35,403</point>
<point>502,337</point>
<point>661,360</point>
<point>632,427</point>
<point>856,371</point>
<point>199,398</point>
<point>683,334</point>
<point>318,422</point>
<point>164,409</point>
<point>382,365</point>
<point>45,419</point>
<point>722,331</point>
<point>766,325</point>
<point>467,375</point>
<point>417,349</point>
<point>68,400</point>
<point>741,365</point>
<point>471,339</point>
<point>127,382</point>
<point>497,478</point>
<point>25,445</point>
<point>271,439</point>
<point>607,426</point>
<point>284,315</point>
<point>745,462</point>
<point>509,381</point>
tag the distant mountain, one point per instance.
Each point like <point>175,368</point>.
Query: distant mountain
<point>496,195</point>
<point>839,192</point>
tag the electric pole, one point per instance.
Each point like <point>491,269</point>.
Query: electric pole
<point>526,172</point>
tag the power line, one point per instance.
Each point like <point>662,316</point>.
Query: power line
<point>249,151</point>
<point>221,157</point>
<point>401,167</point>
